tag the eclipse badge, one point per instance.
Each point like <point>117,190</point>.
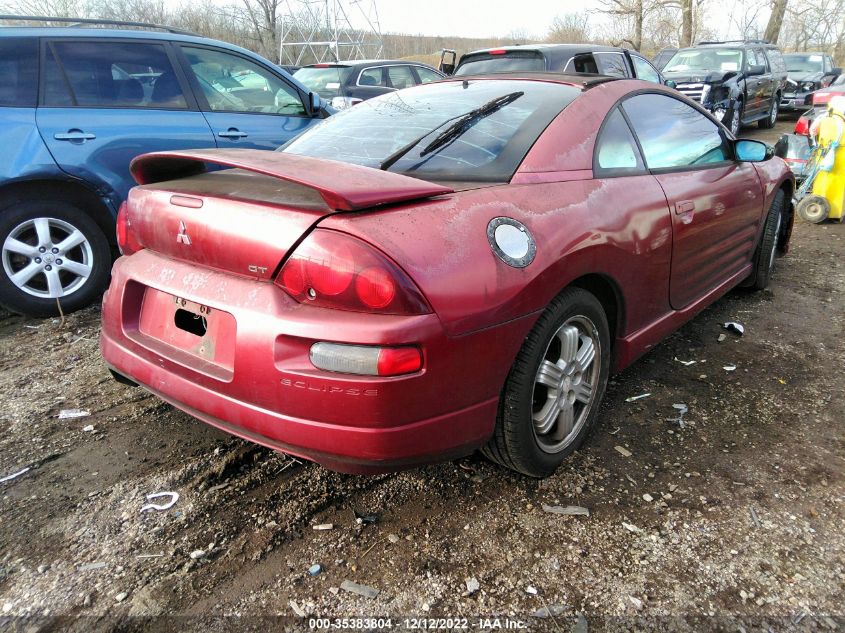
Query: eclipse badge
<point>511,241</point>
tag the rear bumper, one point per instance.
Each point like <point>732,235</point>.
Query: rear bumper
<point>270,393</point>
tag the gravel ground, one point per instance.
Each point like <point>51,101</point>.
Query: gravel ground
<point>730,521</point>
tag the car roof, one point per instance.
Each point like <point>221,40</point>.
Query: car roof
<point>576,80</point>
<point>568,48</point>
<point>356,63</point>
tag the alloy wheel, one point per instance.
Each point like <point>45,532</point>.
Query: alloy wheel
<point>47,257</point>
<point>565,384</point>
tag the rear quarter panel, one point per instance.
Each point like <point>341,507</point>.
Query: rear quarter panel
<point>24,154</point>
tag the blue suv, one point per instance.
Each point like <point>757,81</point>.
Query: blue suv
<point>78,104</point>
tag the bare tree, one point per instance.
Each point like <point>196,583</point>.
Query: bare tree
<point>571,28</point>
<point>775,20</point>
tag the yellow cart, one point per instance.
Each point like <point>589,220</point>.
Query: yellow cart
<point>826,178</point>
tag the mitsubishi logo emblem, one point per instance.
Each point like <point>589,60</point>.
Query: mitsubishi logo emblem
<point>182,236</point>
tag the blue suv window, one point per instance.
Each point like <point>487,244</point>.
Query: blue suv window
<point>18,71</point>
<point>111,75</point>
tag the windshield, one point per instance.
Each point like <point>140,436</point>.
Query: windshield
<point>804,64</point>
<point>489,150</point>
<point>326,81</point>
<point>486,63</point>
<point>705,60</point>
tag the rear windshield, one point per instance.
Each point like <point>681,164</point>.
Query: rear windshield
<point>490,149</point>
<point>705,60</point>
<point>326,81</point>
<point>18,71</point>
<point>511,61</point>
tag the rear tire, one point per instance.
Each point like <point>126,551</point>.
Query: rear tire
<point>814,209</point>
<point>552,394</point>
<point>764,256</point>
<point>769,122</point>
<point>50,250</point>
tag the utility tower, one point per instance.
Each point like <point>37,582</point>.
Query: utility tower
<point>315,31</point>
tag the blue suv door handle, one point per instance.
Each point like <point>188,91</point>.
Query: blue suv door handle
<point>232,132</point>
<point>75,135</point>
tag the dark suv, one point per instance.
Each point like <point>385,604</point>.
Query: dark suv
<point>739,82</point>
<point>78,104</point>
<point>559,58</point>
<point>807,72</point>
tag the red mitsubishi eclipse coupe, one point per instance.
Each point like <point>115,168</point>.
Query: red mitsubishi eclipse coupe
<point>450,267</point>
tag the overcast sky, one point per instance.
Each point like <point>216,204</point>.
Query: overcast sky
<point>498,18</point>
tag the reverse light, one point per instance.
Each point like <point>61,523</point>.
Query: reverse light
<point>366,360</point>
<point>334,270</point>
<point>126,241</point>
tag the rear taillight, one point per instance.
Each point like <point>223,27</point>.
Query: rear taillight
<point>802,127</point>
<point>334,270</point>
<point>126,241</point>
<point>366,360</point>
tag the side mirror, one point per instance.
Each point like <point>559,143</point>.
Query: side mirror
<point>752,151</point>
<point>670,83</point>
<point>315,104</point>
<point>756,70</point>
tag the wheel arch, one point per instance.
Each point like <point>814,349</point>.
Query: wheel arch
<point>788,188</point>
<point>68,191</point>
<point>607,291</point>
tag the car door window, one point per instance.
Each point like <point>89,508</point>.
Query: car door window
<point>372,77</point>
<point>19,72</point>
<point>616,149</point>
<point>400,77</point>
<point>761,59</point>
<point>674,135</point>
<point>612,64</point>
<point>750,58</point>
<point>426,75</point>
<point>644,70</point>
<point>232,83</point>
<point>582,64</point>
<point>98,74</point>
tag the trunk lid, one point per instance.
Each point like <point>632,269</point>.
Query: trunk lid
<point>245,220</point>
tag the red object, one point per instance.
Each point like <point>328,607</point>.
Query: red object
<point>126,240</point>
<point>823,97</point>
<point>497,51</point>
<point>802,126</point>
<point>415,272</point>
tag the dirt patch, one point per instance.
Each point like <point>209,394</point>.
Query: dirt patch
<point>732,520</point>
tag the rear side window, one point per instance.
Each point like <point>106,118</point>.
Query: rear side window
<point>612,64</point>
<point>18,71</point>
<point>616,149</point>
<point>426,75</point>
<point>372,77</point>
<point>674,135</point>
<point>96,74</point>
<point>400,77</point>
<point>776,61</point>
<point>582,64</point>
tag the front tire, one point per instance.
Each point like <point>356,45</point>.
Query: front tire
<point>50,250</point>
<point>736,118</point>
<point>552,395</point>
<point>764,256</point>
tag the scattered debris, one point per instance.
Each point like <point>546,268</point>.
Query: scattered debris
<point>217,487</point>
<point>393,538</point>
<point>569,510</point>
<point>581,624</point>
<point>91,566</point>
<point>174,497</point>
<point>631,527</point>
<point>755,518</point>
<point>121,596</point>
<point>682,410</point>
<point>297,609</point>
<point>733,326</point>
<point>324,526</point>
<point>159,555</point>
<point>315,569</point>
<point>686,363</point>
<point>631,479</point>
<point>639,397</point>
<point>472,586</point>
<point>638,604</point>
<point>531,590</point>
<point>43,568</point>
<point>618,428</point>
<point>648,497</point>
<point>365,519</point>
<point>729,367</point>
<point>88,429</point>
<point>551,611</point>
<point>15,475</point>
<point>623,451</point>
<point>69,414</point>
<point>722,337</point>
<point>361,590</point>
<point>197,554</point>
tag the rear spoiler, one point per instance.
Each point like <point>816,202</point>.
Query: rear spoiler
<point>343,186</point>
